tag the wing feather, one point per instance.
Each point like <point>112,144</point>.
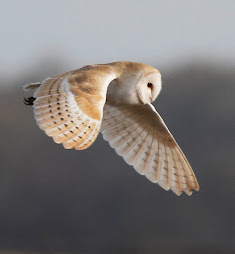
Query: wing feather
<point>140,136</point>
<point>69,107</point>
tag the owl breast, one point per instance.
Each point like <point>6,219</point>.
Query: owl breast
<point>120,92</point>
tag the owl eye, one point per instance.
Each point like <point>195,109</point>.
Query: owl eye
<point>150,85</point>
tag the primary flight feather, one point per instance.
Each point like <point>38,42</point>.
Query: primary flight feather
<point>115,99</point>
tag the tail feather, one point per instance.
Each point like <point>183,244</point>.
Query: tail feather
<point>31,86</point>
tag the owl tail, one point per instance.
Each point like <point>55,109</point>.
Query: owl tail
<point>29,89</point>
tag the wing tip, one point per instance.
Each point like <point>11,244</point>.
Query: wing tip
<point>177,191</point>
<point>164,185</point>
<point>151,177</point>
<point>189,191</point>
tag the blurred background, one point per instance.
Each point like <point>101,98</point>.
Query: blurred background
<point>54,200</point>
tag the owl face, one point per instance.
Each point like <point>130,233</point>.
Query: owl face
<point>149,87</point>
<point>135,88</point>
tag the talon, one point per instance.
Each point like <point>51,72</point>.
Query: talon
<point>29,101</point>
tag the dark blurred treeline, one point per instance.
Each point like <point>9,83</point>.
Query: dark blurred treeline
<point>52,199</point>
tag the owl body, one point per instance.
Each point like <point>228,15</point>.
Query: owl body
<point>115,98</point>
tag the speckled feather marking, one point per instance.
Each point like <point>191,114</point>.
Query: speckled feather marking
<point>139,135</point>
<point>60,116</point>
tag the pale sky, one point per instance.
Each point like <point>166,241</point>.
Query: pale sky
<point>86,32</point>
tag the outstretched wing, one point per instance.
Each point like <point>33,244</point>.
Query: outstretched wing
<point>140,136</point>
<point>69,107</point>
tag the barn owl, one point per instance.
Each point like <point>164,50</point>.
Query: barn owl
<point>115,99</point>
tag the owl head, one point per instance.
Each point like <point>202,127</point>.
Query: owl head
<point>136,83</point>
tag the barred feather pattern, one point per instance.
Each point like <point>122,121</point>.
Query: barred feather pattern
<point>59,115</point>
<point>140,136</point>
